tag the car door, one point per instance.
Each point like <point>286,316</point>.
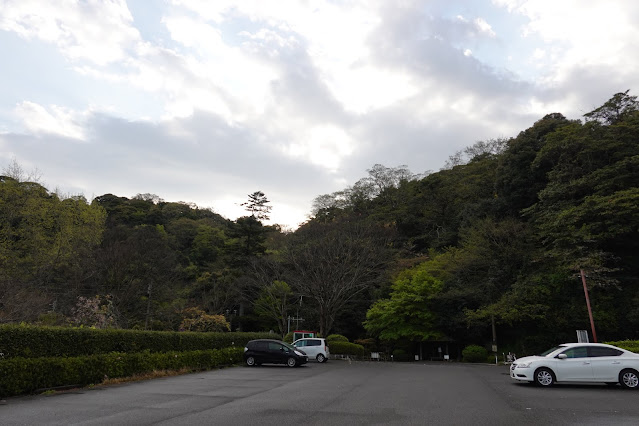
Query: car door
<point>277,353</point>
<point>259,350</point>
<point>606,363</point>
<point>312,348</point>
<point>576,367</point>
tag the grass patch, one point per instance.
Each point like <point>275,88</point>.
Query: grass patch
<point>155,374</point>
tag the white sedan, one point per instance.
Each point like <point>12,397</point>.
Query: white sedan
<point>579,362</point>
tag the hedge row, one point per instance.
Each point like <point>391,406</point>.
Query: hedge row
<point>34,342</point>
<point>26,375</point>
<point>346,348</point>
<point>629,345</point>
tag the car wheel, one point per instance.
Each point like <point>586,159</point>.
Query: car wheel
<point>544,377</point>
<point>321,358</point>
<point>629,379</point>
<point>250,361</point>
<point>291,362</point>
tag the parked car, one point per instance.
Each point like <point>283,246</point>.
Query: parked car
<point>579,362</point>
<point>267,351</point>
<point>314,347</point>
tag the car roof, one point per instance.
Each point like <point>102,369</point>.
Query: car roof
<point>586,344</point>
<point>601,345</point>
<point>266,340</point>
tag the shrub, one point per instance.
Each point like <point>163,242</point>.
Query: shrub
<point>26,375</point>
<point>401,355</point>
<point>288,338</point>
<point>369,344</point>
<point>474,353</point>
<point>198,320</point>
<point>629,345</point>
<point>346,348</point>
<point>34,342</point>
<point>336,338</point>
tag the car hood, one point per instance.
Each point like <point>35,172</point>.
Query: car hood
<point>529,359</point>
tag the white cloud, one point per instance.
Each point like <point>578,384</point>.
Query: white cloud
<point>580,34</point>
<point>56,121</point>
<point>325,146</point>
<point>98,31</point>
<point>294,98</point>
<point>484,27</point>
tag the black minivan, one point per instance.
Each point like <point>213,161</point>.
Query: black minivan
<point>267,351</point>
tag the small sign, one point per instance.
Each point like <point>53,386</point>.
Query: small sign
<point>446,357</point>
<point>582,336</point>
<point>494,348</point>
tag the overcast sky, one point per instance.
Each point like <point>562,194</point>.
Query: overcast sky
<point>208,101</point>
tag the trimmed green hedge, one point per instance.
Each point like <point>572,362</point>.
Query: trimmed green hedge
<point>474,353</point>
<point>34,342</point>
<point>336,338</point>
<point>346,348</point>
<point>26,375</point>
<point>629,345</point>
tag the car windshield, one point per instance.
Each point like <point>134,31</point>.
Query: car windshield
<point>291,347</point>
<point>551,350</point>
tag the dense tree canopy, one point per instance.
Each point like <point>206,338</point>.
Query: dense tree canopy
<point>493,241</point>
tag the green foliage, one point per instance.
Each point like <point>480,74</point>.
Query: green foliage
<point>45,246</point>
<point>33,342</point>
<point>288,338</point>
<point>474,353</point>
<point>273,303</point>
<point>26,375</point>
<point>347,348</point>
<point>497,236</point>
<point>369,344</point>
<point>408,313</point>
<point>629,345</point>
<point>198,320</point>
<point>400,355</point>
<point>336,338</point>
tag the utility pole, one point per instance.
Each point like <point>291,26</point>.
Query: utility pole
<point>592,322</point>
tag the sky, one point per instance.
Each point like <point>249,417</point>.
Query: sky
<point>206,101</point>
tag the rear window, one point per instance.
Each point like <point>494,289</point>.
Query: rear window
<point>595,351</point>
<point>257,346</point>
<point>313,343</point>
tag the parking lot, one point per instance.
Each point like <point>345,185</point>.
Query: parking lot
<point>335,393</point>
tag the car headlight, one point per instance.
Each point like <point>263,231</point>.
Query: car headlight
<point>298,353</point>
<point>524,365</point>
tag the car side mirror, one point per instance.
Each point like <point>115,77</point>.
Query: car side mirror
<point>562,356</point>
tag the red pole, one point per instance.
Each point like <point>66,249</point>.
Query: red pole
<point>592,322</point>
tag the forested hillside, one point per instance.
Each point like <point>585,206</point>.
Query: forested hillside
<point>494,241</point>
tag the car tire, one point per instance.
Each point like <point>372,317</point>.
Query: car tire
<point>321,358</point>
<point>629,379</point>
<point>544,377</point>
<point>250,361</point>
<point>291,362</point>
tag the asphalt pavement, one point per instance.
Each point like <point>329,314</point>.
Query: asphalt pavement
<point>335,393</point>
